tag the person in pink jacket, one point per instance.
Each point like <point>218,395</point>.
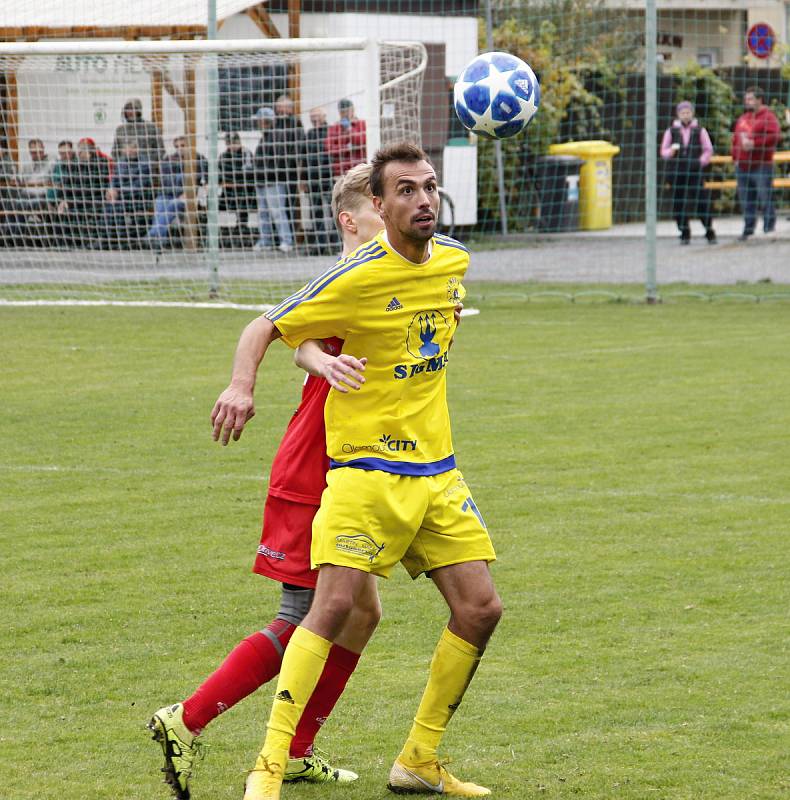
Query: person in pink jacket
<point>687,149</point>
<point>754,141</point>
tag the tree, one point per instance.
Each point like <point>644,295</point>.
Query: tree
<point>572,45</point>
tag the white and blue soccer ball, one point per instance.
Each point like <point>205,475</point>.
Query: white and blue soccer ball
<point>496,95</point>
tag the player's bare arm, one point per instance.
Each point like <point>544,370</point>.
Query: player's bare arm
<point>235,407</point>
<point>342,372</point>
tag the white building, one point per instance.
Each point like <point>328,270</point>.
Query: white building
<point>86,95</point>
<point>714,32</point>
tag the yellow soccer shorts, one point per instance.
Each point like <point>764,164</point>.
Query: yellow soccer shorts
<point>371,520</point>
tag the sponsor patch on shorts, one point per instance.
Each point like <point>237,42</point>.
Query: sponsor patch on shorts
<point>263,550</point>
<point>359,544</point>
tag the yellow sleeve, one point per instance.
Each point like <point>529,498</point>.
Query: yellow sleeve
<point>322,308</point>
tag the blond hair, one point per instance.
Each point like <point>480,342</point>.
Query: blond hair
<point>351,191</point>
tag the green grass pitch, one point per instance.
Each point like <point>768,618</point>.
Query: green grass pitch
<point>633,466</point>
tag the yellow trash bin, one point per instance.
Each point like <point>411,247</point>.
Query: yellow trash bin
<point>595,184</point>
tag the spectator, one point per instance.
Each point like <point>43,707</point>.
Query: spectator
<point>754,142</point>
<point>346,140</point>
<point>61,172</point>
<point>66,159</point>
<point>81,194</point>
<point>171,201</point>
<point>8,185</point>
<point>687,149</point>
<point>128,198</point>
<point>35,177</point>
<point>272,164</point>
<point>149,140</point>
<point>30,220</point>
<point>318,183</point>
<point>108,162</point>
<point>291,130</point>
<point>8,197</point>
<point>108,158</point>
<point>236,178</point>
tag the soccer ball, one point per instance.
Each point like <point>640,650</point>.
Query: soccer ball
<point>496,95</point>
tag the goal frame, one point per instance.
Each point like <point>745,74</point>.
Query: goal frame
<point>208,48</point>
<point>371,48</point>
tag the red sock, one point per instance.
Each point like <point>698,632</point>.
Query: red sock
<point>253,662</point>
<point>339,666</point>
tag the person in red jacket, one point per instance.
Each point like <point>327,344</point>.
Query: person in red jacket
<point>346,140</point>
<point>754,141</point>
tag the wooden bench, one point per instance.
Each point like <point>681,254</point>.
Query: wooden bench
<point>781,182</point>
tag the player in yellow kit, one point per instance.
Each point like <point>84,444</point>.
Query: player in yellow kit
<point>394,493</point>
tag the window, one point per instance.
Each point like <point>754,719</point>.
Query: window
<point>709,57</point>
<point>244,88</point>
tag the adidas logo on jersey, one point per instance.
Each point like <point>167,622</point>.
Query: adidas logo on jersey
<point>394,305</point>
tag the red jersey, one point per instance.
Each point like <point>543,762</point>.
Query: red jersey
<point>763,127</point>
<point>301,463</point>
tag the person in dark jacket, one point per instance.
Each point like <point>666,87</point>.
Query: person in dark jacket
<point>687,150</point>
<point>317,184</point>
<point>236,170</point>
<point>9,199</point>
<point>81,195</point>
<point>66,158</point>
<point>272,169</point>
<point>129,197</point>
<point>171,200</point>
<point>291,130</point>
<point>9,192</point>
<point>149,139</point>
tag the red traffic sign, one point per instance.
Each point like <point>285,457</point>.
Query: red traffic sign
<point>760,40</point>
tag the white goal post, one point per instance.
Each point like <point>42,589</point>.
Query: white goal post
<point>186,171</point>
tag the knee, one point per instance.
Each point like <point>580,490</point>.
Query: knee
<point>334,605</point>
<point>367,615</point>
<point>482,615</point>
<point>491,613</point>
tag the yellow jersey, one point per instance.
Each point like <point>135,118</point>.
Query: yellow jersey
<point>399,315</point>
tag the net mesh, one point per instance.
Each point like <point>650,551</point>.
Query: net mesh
<point>568,211</point>
<point>107,197</point>
<point>402,72</point>
<point>590,216</point>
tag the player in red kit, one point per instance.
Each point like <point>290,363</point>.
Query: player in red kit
<point>298,477</point>
<point>296,482</point>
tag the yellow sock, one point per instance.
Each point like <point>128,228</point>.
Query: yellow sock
<point>452,668</point>
<point>302,666</point>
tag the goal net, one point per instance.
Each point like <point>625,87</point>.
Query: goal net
<point>187,171</point>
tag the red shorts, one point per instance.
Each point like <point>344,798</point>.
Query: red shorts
<point>284,551</point>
